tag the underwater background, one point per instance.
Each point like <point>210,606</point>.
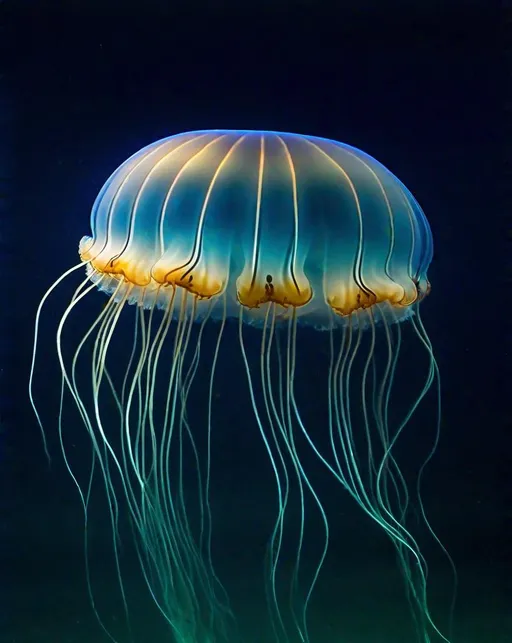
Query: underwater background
<point>85,87</point>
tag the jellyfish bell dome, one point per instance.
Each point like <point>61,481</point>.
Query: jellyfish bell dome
<point>310,224</point>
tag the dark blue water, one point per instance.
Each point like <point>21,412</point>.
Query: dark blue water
<point>86,90</point>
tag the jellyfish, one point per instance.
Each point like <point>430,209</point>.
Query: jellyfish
<point>243,235</point>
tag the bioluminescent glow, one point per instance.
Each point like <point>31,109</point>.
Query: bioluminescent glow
<point>272,230</point>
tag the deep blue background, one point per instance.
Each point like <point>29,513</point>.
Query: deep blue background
<point>416,88</point>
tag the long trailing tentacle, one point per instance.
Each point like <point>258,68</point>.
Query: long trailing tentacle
<point>40,307</point>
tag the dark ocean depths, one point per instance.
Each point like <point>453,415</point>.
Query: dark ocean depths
<point>87,87</point>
